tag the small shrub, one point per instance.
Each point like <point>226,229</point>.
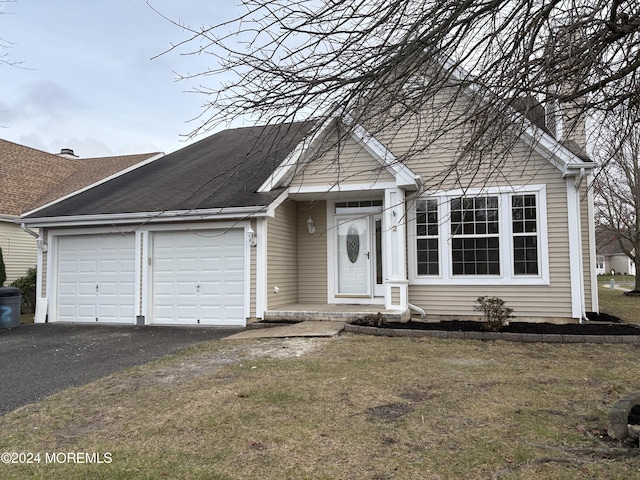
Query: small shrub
<point>3,271</point>
<point>495,313</point>
<point>374,320</point>
<point>27,286</point>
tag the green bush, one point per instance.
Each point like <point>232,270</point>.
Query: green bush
<point>496,314</point>
<point>3,271</point>
<point>27,286</point>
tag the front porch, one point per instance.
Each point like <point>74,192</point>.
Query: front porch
<point>337,312</point>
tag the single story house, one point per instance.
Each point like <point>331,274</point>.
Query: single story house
<point>610,256</point>
<point>294,221</point>
<point>30,178</point>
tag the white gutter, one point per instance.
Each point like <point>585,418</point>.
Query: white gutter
<point>149,217</point>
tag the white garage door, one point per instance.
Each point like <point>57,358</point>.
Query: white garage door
<point>198,277</point>
<point>96,278</point>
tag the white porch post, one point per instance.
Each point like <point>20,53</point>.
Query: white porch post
<point>396,292</point>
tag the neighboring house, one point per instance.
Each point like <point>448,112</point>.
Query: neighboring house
<point>610,257</point>
<point>31,178</point>
<point>260,222</point>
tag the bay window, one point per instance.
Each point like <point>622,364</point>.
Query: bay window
<point>487,236</point>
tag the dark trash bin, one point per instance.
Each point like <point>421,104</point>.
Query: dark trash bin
<point>10,302</point>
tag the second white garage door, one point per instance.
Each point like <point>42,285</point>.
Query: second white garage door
<point>198,277</point>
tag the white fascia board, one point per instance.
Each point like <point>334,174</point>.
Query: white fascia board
<point>99,182</point>
<point>567,162</point>
<point>342,187</point>
<point>403,174</point>
<point>271,211</point>
<point>557,154</point>
<point>149,217</point>
<point>287,169</point>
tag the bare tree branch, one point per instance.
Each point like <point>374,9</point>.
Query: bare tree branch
<point>385,62</point>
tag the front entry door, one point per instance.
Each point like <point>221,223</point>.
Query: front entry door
<point>359,259</point>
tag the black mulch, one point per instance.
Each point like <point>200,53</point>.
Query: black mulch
<point>586,328</point>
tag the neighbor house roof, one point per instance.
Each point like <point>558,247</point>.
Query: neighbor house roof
<point>607,242</point>
<point>32,177</point>
<point>223,170</point>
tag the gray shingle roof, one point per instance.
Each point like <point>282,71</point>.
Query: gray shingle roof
<point>223,170</point>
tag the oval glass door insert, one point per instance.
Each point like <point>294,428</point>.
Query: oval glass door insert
<point>353,244</point>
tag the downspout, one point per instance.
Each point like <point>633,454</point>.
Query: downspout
<point>24,227</point>
<point>422,313</point>
<point>41,303</point>
<point>577,184</point>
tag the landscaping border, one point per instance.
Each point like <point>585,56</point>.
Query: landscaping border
<point>507,336</point>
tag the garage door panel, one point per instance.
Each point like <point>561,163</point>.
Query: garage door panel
<point>96,278</point>
<point>86,267</point>
<point>232,288</point>
<point>206,266</point>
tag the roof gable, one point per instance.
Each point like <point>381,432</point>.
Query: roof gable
<point>384,164</point>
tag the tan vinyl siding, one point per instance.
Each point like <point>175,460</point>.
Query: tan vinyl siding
<point>347,163</point>
<point>19,250</point>
<point>282,259</point>
<point>312,253</point>
<point>521,167</point>
<point>552,300</point>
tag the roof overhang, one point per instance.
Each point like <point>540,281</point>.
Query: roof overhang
<point>212,214</point>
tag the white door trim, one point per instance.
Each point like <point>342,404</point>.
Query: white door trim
<point>333,295</point>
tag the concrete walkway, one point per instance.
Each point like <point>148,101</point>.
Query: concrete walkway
<point>302,329</point>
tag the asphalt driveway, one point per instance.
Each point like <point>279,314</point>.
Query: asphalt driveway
<point>37,360</point>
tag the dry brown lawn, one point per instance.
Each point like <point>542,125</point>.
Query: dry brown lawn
<point>353,407</point>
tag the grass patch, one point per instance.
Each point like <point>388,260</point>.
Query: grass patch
<point>351,407</point>
<point>626,281</point>
<point>615,303</point>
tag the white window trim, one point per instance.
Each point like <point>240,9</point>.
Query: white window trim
<point>507,276</point>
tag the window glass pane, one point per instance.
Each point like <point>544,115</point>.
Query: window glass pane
<point>475,246</point>
<point>525,255</point>
<point>428,263</point>
<point>524,215</point>
<point>427,218</point>
<point>476,256</point>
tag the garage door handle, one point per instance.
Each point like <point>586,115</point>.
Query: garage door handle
<point>96,288</point>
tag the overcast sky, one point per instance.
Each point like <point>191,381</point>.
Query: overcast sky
<point>87,80</point>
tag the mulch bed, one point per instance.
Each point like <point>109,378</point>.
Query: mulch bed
<point>517,327</point>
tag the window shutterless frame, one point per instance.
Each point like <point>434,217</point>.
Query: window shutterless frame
<point>521,244</point>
